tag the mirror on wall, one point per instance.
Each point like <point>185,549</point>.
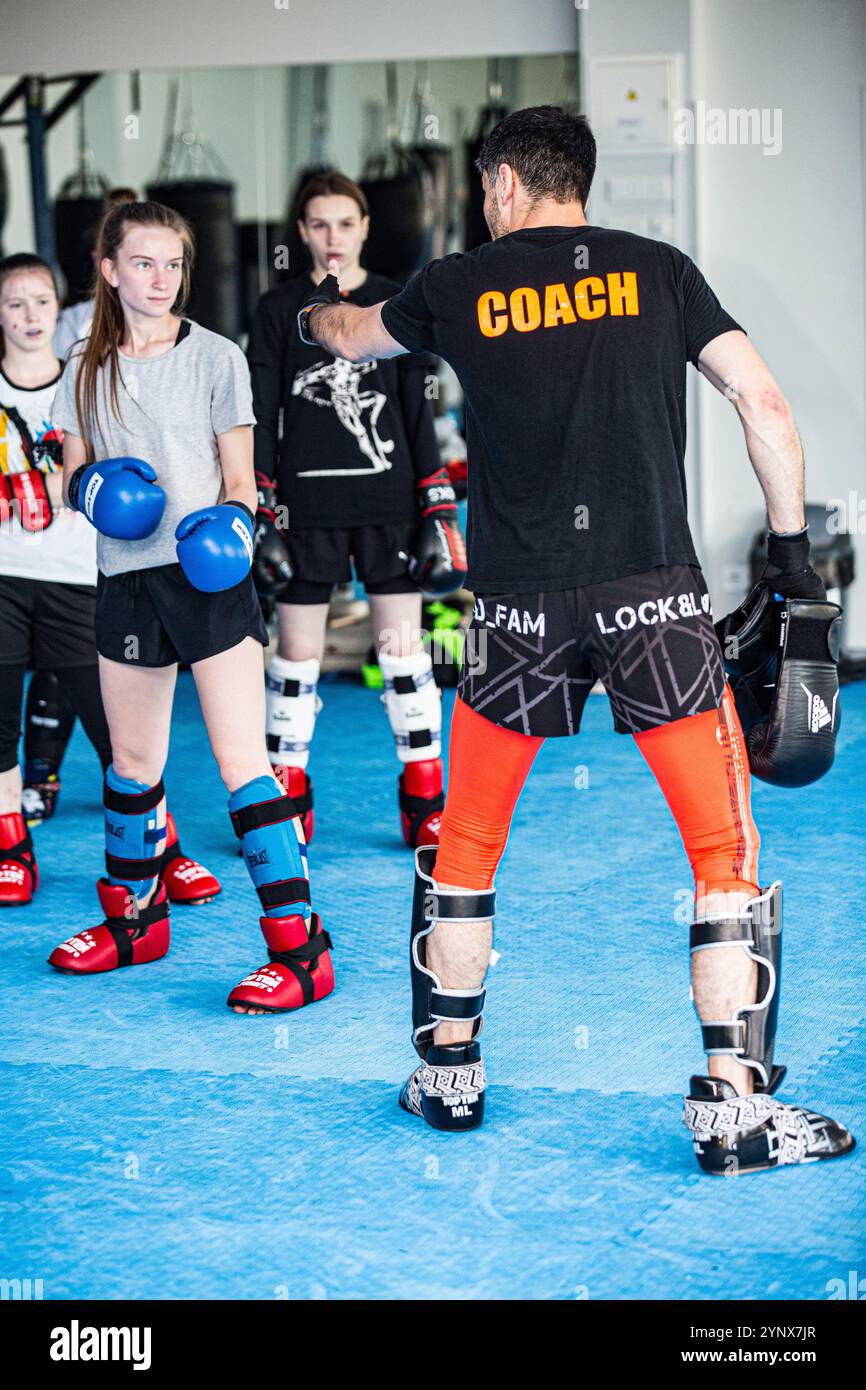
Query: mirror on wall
<point>230,148</point>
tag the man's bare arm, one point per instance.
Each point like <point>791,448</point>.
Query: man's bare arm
<point>353,332</point>
<point>733,366</point>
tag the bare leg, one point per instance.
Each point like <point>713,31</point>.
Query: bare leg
<point>302,630</point>
<point>396,623</point>
<point>458,953</point>
<point>10,791</point>
<point>231,692</point>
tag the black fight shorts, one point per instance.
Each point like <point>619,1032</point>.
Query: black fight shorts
<point>531,659</point>
<point>322,556</point>
<point>46,625</point>
<point>155,617</point>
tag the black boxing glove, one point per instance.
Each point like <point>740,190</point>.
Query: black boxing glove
<point>788,571</point>
<point>328,292</point>
<point>272,568</point>
<point>437,561</point>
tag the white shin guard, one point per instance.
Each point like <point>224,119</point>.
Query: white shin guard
<point>414,706</point>
<point>292,706</point>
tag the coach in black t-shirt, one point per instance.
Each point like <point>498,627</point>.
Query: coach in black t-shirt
<point>571,343</point>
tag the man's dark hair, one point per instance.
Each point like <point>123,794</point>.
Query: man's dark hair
<point>552,153</point>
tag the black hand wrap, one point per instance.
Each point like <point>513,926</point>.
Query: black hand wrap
<point>74,484</point>
<point>788,571</point>
<point>328,292</point>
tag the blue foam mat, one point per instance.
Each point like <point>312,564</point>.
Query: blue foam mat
<point>157,1145</point>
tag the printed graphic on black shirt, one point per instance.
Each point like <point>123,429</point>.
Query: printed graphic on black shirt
<point>356,436</point>
<point>336,385</point>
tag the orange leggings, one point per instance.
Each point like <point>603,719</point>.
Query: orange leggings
<point>699,762</point>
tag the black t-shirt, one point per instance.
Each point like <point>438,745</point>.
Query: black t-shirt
<point>356,436</point>
<point>575,394</point>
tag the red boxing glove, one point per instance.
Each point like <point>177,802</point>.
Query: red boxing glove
<point>28,490</point>
<point>438,559</point>
<point>5,499</point>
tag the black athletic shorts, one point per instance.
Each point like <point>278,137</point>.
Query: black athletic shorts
<point>531,659</point>
<point>155,617</point>
<point>321,557</point>
<point>46,625</point>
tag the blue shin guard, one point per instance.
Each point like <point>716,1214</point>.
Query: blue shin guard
<point>134,832</point>
<point>299,969</point>
<point>274,852</point>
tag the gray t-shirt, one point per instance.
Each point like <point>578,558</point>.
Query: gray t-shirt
<point>172,409</point>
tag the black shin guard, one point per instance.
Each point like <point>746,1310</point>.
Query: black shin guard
<point>740,1134</point>
<point>48,724</point>
<point>448,1089</point>
<point>750,1034</point>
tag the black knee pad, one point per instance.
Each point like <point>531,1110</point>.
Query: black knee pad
<point>48,721</point>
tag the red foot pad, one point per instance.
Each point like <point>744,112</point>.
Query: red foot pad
<point>297,784</point>
<point>422,801</point>
<point>19,876</point>
<point>119,940</point>
<point>299,969</point>
<point>186,880</point>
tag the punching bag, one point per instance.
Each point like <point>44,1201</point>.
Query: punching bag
<point>76,222</point>
<point>208,206</point>
<point>193,180</point>
<point>78,211</point>
<point>254,260</point>
<point>475,229</point>
<point>299,259</point>
<point>424,144</point>
<point>437,161</point>
<point>399,189</point>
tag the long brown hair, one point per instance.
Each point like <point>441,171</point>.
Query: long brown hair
<point>108,322</point>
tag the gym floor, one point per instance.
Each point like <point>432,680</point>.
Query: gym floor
<point>158,1146</point>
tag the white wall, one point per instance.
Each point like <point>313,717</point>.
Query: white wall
<point>781,240</point>
<point>633,27</point>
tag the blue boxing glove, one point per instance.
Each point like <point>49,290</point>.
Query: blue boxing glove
<point>120,497</point>
<point>215,546</point>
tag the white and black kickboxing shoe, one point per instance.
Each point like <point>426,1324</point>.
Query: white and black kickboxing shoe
<point>447,1090</point>
<point>743,1134</point>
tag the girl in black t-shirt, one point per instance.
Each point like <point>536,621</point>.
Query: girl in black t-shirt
<point>341,484</point>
